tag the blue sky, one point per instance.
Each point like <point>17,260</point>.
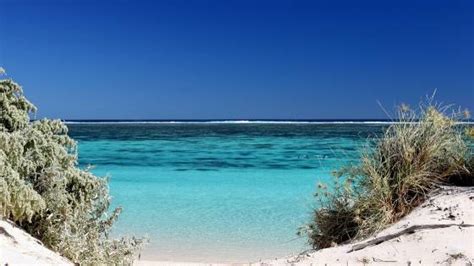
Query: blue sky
<point>236,59</point>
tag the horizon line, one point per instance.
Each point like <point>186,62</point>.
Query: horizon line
<point>239,121</point>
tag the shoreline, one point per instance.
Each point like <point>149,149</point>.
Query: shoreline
<point>449,245</point>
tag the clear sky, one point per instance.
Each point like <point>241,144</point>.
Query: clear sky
<point>236,59</point>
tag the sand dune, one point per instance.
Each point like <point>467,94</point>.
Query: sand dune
<point>19,248</point>
<point>451,245</point>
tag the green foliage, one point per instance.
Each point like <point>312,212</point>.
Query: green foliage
<point>43,190</point>
<point>425,149</point>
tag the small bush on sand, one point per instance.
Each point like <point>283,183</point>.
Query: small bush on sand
<point>44,192</point>
<point>425,149</point>
<point>335,222</point>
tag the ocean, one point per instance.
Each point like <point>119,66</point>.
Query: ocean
<point>218,191</point>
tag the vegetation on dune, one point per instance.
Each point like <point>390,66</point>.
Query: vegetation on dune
<point>44,192</point>
<point>470,132</point>
<point>396,172</point>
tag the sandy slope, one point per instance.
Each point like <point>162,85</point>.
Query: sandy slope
<point>452,245</point>
<point>19,248</point>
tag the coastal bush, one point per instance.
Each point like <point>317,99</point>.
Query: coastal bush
<point>424,149</point>
<point>335,222</point>
<point>470,132</point>
<point>43,190</point>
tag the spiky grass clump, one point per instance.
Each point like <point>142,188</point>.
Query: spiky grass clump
<point>425,149</point>
<point>335,222</point>
<point>44,192</point>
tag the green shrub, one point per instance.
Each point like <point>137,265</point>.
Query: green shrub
<point>425,149</point>
<point>44,192</point>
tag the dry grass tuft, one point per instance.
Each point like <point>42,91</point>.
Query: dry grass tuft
<point>426,148</point>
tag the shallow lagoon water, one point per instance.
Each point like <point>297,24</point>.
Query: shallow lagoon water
<point>217,192</point>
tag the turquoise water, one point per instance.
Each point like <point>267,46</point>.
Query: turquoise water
<point>217,192</point>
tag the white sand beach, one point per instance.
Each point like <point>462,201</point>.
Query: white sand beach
<point>452,245</point>
<point>452,208</point>
<point>19,248</point>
